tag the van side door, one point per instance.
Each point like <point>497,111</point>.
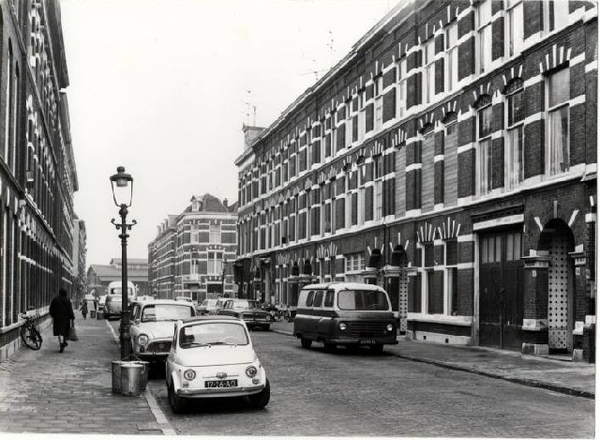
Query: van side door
<point>326,315</point>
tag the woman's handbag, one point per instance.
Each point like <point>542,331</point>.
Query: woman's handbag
<point>73,334</point>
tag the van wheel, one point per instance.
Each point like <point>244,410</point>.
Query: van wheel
<point>377,348</point>
<point>330,347</point>
<point>306,343</point>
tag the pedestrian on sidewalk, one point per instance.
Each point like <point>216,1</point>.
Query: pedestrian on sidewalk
<point>61,311</point>
<point>84,309</point>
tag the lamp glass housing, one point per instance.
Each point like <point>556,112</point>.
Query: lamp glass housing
<point>122,187</point>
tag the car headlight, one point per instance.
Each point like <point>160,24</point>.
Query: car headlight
<point>390,327</point>
<point>142,340</point>
<point>343,326</point>
<point>251,371</point>
<point>189,374</point>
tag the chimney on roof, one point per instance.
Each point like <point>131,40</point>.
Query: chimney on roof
<point>225,202</point>
<point>250,133</point>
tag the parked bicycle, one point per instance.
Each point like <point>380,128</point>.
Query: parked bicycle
<point>29,333</point>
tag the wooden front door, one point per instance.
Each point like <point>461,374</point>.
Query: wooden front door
<point>500,289</point>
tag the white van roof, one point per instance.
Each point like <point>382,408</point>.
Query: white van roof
<point>341,285</point>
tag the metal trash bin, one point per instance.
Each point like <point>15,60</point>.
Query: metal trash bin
<point>144,378</point>
<point>92,314</point>
<point>99,315</point>
<point>131,378</point>
<point>116,376</point>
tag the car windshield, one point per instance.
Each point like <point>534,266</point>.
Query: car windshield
<point>245,304</point>
<point>213,333</point>
<point>362,300</point>
<point>165,312</point>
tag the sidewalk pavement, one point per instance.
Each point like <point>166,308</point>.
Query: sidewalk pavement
<point>71,392</point>
<point>567,377</point>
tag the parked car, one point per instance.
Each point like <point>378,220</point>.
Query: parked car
<point>114,298</point>
<point>101,302</point>
<point>183,298</point>
<point>249,310</point>
<point>210,306</point>
<point>350,314</point>
<point>213,356</point>
<point>152,325</point>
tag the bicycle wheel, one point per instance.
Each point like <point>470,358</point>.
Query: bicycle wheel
<point>31,337</point>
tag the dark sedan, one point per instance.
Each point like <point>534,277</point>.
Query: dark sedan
<point>249,310</point>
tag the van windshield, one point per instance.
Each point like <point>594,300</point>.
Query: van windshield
<point>119,291</point>
<point>362,300</point>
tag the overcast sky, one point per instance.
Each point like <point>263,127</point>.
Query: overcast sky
<point>163,87</point>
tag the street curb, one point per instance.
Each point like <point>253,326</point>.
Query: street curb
<point>527,382</point>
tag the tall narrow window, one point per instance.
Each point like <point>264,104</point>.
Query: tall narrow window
<point>514,26</point>
<point>214,235</point>
<point>429,72</point>
<point>451,63</point>
<point>484,162</point>
<point>556,14</point>
<point>514,153</point>
<point>557,134</point>
<point>378,103</point>
<point>402,89</point>
<point>484,35</point>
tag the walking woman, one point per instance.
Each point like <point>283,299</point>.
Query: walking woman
<point>61,311</point>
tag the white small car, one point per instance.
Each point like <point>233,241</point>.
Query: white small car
<point>212,356</point>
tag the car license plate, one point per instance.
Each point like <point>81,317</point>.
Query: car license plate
<point>367,341</point>
<point>220,383</point>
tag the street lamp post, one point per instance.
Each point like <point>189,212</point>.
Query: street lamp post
<point>122,189</point>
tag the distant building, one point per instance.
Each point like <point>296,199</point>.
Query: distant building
<point>194,251</point>
<point>79,256</point>
<point>100,275</point>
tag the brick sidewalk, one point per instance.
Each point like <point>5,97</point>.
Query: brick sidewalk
<point>50,392</point>
<point>572,378</point>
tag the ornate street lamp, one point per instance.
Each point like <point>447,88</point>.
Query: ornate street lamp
<point>122,189</point>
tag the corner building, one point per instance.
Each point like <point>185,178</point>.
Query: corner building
<point>194,252</point>
<point>38,176</point>
<point>451,158</point>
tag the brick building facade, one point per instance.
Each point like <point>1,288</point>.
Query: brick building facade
<point>37,168</point>
<point>451,157</point>
<point>193,253</point>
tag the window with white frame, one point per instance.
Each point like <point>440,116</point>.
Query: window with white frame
<point>451,62</point>
<point>402,89</point>
<point>378,184</point>
<point>355,263</point>
<point>194,267</point>
<point>514,151</point>
<point>215,263</point>
<point>378,103</point>
<point>195,233</point>
<point>450,277</point>
<point>214,233</point>
<point>484,35</point>
<point>556,14</point>
<point>427,278</point>
<point>484,153</point>
<point>429,72</point>
<point>514,27</point>
<point>557,122</point>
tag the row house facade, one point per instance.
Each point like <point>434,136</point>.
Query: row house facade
<point>451,158</point>
<point>37,168</point>
<point>193,253</point>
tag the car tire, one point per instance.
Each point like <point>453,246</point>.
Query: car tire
<point>306,343</point>
<point>377,348</point>
<point>177,403</point>
<point>260,400</point>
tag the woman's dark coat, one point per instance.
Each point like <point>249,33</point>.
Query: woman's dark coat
<point>61,311</point>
